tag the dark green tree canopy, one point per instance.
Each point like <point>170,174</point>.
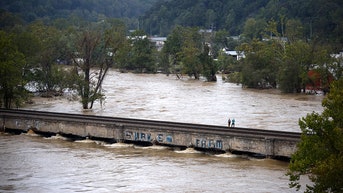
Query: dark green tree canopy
<point>320,152</point>
<point>320,17</point>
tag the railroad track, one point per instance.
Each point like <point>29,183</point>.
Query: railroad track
<point>165,125</point>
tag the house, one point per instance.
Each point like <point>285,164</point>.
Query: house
<point>158,42</point>
<point>235,54</point>
<point>337,56</point>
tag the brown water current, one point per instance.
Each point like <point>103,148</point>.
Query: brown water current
<point>35,164</point>
<point>30,163</point>
<point>161,97</point>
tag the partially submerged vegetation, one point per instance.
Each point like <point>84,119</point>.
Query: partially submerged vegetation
<point>51,54</point>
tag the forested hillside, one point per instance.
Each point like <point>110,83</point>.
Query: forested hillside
<point>91,10</point>
<point>218,14</point>
<point>281,41</point>
<point>319,18</point>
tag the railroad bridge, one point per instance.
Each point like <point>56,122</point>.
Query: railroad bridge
<point>208,137</point>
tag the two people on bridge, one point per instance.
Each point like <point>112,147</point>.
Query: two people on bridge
<point>231,123</point>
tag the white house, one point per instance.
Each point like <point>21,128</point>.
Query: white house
<point>234,54</point>
<point>158,42</point>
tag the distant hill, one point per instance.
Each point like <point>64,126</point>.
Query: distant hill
<point>30,10</point>
<point>217,14</point>
<point>323,18</point>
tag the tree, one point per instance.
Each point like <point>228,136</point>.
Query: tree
<point>190,52</point>
<point>185,51</point>
<point>320,151</point>
<point>294,30</point>
<point>254,28</point>
<point>11,69</point>
<point>259,68</point>
<point>295,65</point>
<point>140,55</point>
<point>171,51</point>
<point>47,74</point>
<point>298,59</point>
<point>94,53</point>
<point>210,68</point>
<point>220,41</point>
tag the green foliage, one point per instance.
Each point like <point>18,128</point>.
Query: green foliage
<point>253,29</point>
<point>231,67</point>
<point>221,15</point>
<point>190,52</point>
<point>94,51</point>
<point>89,10</point>
<point>276,63</point>
<point>9,20</point>
<point>138,53</point>
<point>313,30</point>
<point>300,57</point>
<point>294,30</point>
<point>47,50</point>
<point>261,64</point>
<point>186,52</point>
<point>209,68</point>
<point>320,151</point>
<point>171,57</point>
<point>11,72</point>
<point>320,19</point>
<point>295,65</point>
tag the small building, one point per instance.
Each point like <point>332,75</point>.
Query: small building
<point>318,84</point>
<point>235,54</point>
<point>158,42</point>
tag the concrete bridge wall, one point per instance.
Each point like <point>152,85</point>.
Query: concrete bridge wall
<point>269,143</point>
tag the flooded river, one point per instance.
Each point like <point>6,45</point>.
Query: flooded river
<point>161,97</point>
<point>37,164</point>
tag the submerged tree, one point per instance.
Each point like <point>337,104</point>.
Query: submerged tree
<point>11,71</point>
<point>137,53</point>
<point>190,52</point>
<point>171,57</point>
<point>210,68</point>
<point>94,54</point>
<point>46,74</point>
<point>320,151</point>
<point>185,51</point>
<point>260,67</point>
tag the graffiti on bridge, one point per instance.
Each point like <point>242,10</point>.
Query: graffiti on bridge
<point>147,137</point>
<point>209,143</point>
<point>162,138</point>
<point>138,136</point>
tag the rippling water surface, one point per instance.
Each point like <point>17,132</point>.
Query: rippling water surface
<point>37,164</point>
<point>161,97</point>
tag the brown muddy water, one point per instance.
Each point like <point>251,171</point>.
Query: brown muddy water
<point>161,97</point>
<point>30,163</point>
<point>36,164</point>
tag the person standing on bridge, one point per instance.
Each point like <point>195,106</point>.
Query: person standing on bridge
<point>229,122</point>
<point>233,122</point>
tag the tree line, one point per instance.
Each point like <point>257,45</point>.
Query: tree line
<point>319,19</point>
<point>89,10</point>
<point>50,59</point>
<point>89,49</point>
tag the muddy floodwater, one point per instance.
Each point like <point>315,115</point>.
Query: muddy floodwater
<point>36,164</point>
<point>161,97</point>
<point>30,163</point>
